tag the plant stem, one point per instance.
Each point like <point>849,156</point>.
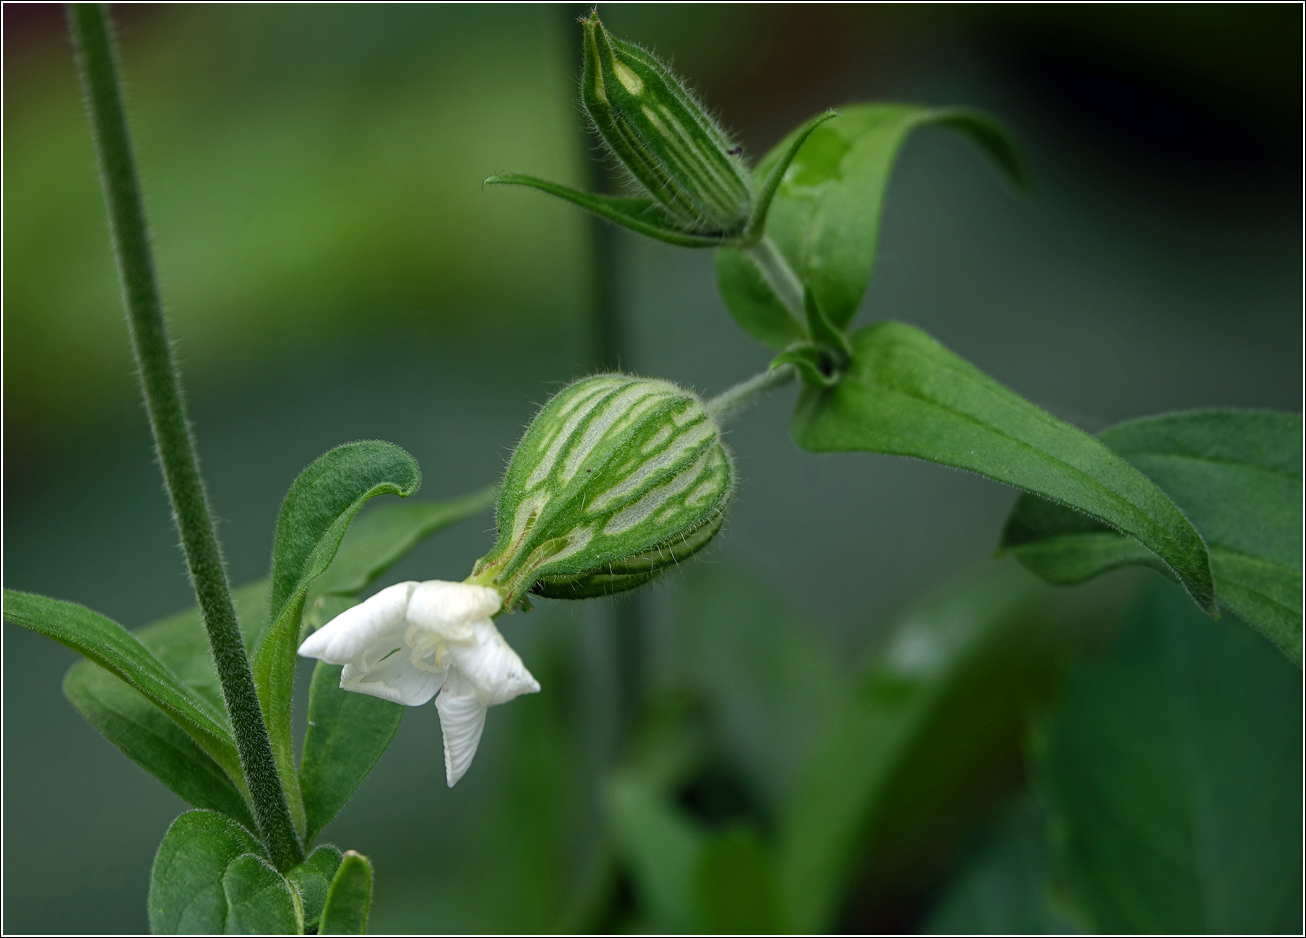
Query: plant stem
<point>780,277</point>
<point>97,64</point>
<point>732,402</point>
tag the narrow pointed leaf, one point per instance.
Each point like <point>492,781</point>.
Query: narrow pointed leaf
<point>907,395</point>
<point>259,900</point>
<point>825,216</point>
<point>1236,474</point>
<point>769,185</point>
<point>312,880</point>
<point>314,518</point>
<point>151,739</point>
<point>113,648</point>
<point>641,215</point>
<point>735,886</point>
<point>350,899</point>
<point>186,894</point>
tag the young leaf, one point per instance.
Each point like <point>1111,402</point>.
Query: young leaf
<point>1237,475</point>
<point>927,740</point>
<point>347,733</point>
<point>350,898</point>
<point>1173,772</point>
<point>314,517</point>
<point>907,395</point>
<point>113,648</point>
<point>151,739</point>
<point>186,888</point>
<point>825,217</point>
<point>312,880</point>
<point>259,900</point>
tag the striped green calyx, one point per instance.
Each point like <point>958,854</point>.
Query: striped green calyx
<point>670,144</point>
<point>616,479</point>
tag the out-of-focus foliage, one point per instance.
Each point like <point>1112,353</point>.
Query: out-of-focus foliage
<point>336,160</point>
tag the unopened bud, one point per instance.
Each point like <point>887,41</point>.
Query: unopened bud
<point>663,136</point>
<point>616,479</point>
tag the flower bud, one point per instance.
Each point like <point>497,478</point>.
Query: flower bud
<point>616,479</point>
<point>663,136</point>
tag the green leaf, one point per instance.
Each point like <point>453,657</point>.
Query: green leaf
<point>825,217</point>
<point>735,886</point>
<point>1237,475</point>
<point>151,739</point>
<point>927,741</point>
<point>641,215</point>
<point>312,881</point>
<point>313,520</point>
<point>186,888</point>
<point>347,733</point>
<point>259,900</point>
<point>906,394</point>
<point>1006,887</point>
<point>350,898</point>
<point>113,648</point>
<point>1173,772</point>
<point>769,183</point>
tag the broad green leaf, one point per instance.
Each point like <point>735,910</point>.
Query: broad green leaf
<point>825,217</point>
<point>1006,888</point>
<point>906,394</point>
<point>259,900</point>
<point>113,648</point>
<point>1237,475</point>
<point>314,517</point>
<point>312,880</point>
<point>1173,771</point>
<point>735,886</point>
<point>662,848</point>
<point>928,740</point>
<point>347,733</point>
<point>186,894</point>
<point>350,898</point>
<point>151,739</point>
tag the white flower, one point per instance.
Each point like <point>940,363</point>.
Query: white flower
<point>413,640</point>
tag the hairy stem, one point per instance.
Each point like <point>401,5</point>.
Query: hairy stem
<point>779,276</point>
<point>732,402</point>
<point>98,67</point>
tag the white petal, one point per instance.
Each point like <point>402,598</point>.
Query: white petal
<point>462,718</point>
<point>394,679</point>
<point>449,609</point>
<point>491,667</point>
<point>350,634</point>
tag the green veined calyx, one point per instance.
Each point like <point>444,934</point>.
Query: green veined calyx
<point>669,143</point>
<point>615,480</point>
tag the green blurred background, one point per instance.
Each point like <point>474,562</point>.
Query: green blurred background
<point>334,271</point>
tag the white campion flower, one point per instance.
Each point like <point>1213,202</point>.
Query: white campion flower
<point>412,641</point>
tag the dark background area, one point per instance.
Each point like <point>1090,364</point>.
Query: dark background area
<point>333,271</point>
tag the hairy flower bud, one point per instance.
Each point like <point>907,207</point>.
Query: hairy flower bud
<point>663,136</point>
<point>616,479</point>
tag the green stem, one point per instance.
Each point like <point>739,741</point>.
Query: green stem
<point>732,402</point>
<point>98,67</point>
<point>780,277</point>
